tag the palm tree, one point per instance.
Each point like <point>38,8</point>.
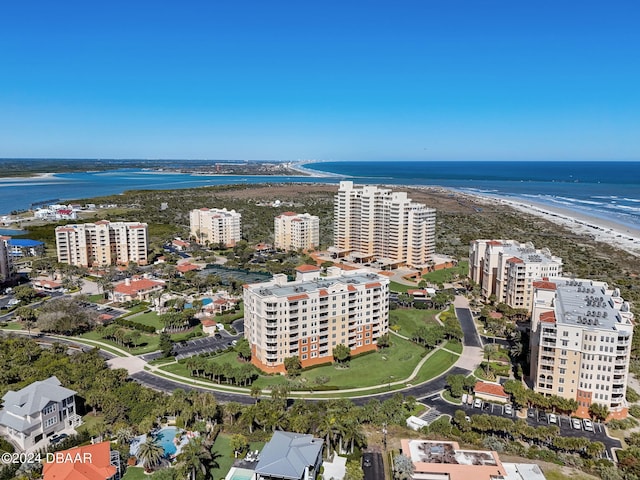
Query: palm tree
<point>197,459</point>
<point>150,454</point>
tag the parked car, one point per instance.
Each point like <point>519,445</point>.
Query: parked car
<point>552,418</point>
<point>58,438</point>
<point>477,403</point>
<point>366,460</point>
<point>531,413</point>
<point>576,424</point>
<point>508,410</point>
<point>588,425</point>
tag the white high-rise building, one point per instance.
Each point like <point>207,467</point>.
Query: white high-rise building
<point>581,334</point>
<point>507,269</point>
<point>374,223</point>
<point>310,316</point>
<point>293,231</point>
<point>215,226</point>
<point>102,243</point>
<point>6,268</point>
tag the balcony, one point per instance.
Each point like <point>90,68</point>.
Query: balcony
<point>548,344</point>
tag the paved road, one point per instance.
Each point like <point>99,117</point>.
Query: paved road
<point>372,466</point>
<point>168,386</point>
<point>471,337</point>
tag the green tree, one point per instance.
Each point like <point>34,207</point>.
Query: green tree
<point>243,348</point>
<point>25,293</point>
<point>383,341</point>
<point>150,454</point>
<point>353,471</point>
<point>455,384</point>
<point>165,344</point>
<point>341,353</point>
<point>293,365</point>
<point>239,444</point>
<point>598,411</point>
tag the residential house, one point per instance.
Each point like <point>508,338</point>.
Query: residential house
<point>445,460</point>
<point>32,415</point>
<point>47,286</point>
<point>136,288</point>
<point>492,392</point>
<point>290,456</point>
<point>88,462</point>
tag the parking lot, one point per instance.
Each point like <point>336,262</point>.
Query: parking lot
<point>202,345</point>
<point>535,417</point>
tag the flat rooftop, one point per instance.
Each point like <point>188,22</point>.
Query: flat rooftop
<point>586,303</point>
<point>300,287</point>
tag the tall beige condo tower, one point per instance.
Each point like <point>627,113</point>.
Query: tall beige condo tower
<point>581,333</point>
<point>102,243</point>
<point>215,226</point>
<point>375,223</point>
<point>294,231</point>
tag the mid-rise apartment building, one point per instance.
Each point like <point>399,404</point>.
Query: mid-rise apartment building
<point>293,231</point>
<point>374,223</point>
<point>581,333</point>
<point>215,226</point>
<point>310,316</point>
<point>102,243</point>
<point>6,264</point>
<point>506,269</point>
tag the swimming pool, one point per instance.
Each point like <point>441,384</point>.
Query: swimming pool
<point>165,438</point>
<point>239,474</point>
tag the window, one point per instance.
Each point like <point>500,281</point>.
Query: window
<point>50,421</point>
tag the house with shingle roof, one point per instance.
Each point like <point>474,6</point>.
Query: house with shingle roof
<point>290,456</point>
<point>32,415</point>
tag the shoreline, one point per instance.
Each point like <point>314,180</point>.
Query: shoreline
<point>602,230</point>
<point>39,176</point>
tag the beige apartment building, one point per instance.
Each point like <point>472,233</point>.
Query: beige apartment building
<point>6,264</point>
<point>581,333</point>
<point>102,243</point>
<point>295,231</point>
<point>215,226</point>
<point>507,269</point>
<point>311,315</point>
<point>372,223</point>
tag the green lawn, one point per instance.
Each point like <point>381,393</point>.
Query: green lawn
<point>437,364</point>
<point>394,363</point>
<point>410,320</point>
<point>148,342</point>
<point>14,326</point>
<point>448,275</point>
<point>135,473</point>
<point>454,346</point>
<point>222,446</point>
<point>149,318</point>
<point>400,287</point>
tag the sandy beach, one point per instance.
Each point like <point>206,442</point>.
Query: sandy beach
<point>38,176</point>
<point>601,230</point>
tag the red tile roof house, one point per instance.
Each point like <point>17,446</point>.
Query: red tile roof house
<point>136,288</point>
<point>186,267</point>
<point>47,286</point>
<point>90,462</point>
<point>180,244</point>
<point>209,326</point>
<point>492,392</point>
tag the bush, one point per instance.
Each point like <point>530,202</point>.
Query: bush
<point>635,410</point>
<point>632,395</point>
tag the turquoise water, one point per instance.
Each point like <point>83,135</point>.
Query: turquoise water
<point>165,438</point>
<point>241,474</point>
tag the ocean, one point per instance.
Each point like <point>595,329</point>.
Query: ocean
<point>609,190</point>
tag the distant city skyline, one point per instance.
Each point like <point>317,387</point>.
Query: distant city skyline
<point>415,80</point>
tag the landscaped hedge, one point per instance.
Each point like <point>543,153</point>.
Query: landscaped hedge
<point>135,325</point>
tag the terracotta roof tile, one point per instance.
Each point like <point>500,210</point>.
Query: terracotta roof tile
<point>490,389</point>
<point>307,268</point>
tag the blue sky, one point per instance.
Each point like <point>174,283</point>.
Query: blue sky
<point>333,80</point>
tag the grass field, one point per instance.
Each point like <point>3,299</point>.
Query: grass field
<point>396,362</point>
<point>454,346</point>
<point>447,275</point>
<point>149,318</point>
<point>222,446</point>
<point>135,473</point>
<point>410,320</point>
<point>148,342</point>
<point>399,287</point>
